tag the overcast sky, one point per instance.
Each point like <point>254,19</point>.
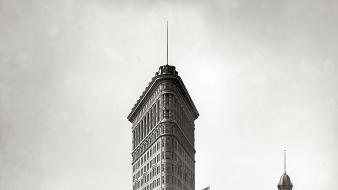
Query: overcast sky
<point>263,75</point>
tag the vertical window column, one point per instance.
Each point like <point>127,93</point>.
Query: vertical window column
<point>170,106</point>
<point>158,111</point>
<point>162,106</point>
<point>148,118</point>
<point>133,138</point>
<point>147,123</point>
<point>137,134</point>
<point>144,127</point>
<point>166,106</point>
<point>141,130</point>
<point>151,117</point>
<point>155,116</point>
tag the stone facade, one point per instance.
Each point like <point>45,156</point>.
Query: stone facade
<point>163,153</point>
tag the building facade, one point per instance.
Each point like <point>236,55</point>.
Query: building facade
<point>163,153</point>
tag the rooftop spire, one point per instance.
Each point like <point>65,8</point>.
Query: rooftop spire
<point>167,43</point>
<point>285,181</point>
<point>285,161</point>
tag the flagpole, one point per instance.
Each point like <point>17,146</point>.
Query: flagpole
<point>167,45</point>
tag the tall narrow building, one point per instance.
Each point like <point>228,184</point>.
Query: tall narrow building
<point>163,153</point>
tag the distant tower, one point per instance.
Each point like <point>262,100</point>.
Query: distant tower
<point>285,181</point>
<point>163,129</point>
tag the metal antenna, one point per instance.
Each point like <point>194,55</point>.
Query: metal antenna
<point>167,44</point>
<point>285,161</point>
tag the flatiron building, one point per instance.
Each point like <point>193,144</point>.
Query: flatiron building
<point>163,142</point>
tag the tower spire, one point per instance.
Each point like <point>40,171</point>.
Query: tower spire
<point>167,43</point>
<point>285,161</point>
<point>285,181</point>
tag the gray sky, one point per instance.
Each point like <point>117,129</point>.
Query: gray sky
<point>263,75</point>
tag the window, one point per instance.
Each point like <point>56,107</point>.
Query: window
<point>168,155</point>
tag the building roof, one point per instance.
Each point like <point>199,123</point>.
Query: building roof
<point>164,72</point>
<point>285,180</point>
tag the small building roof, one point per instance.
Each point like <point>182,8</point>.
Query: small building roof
<point>285,180</point>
